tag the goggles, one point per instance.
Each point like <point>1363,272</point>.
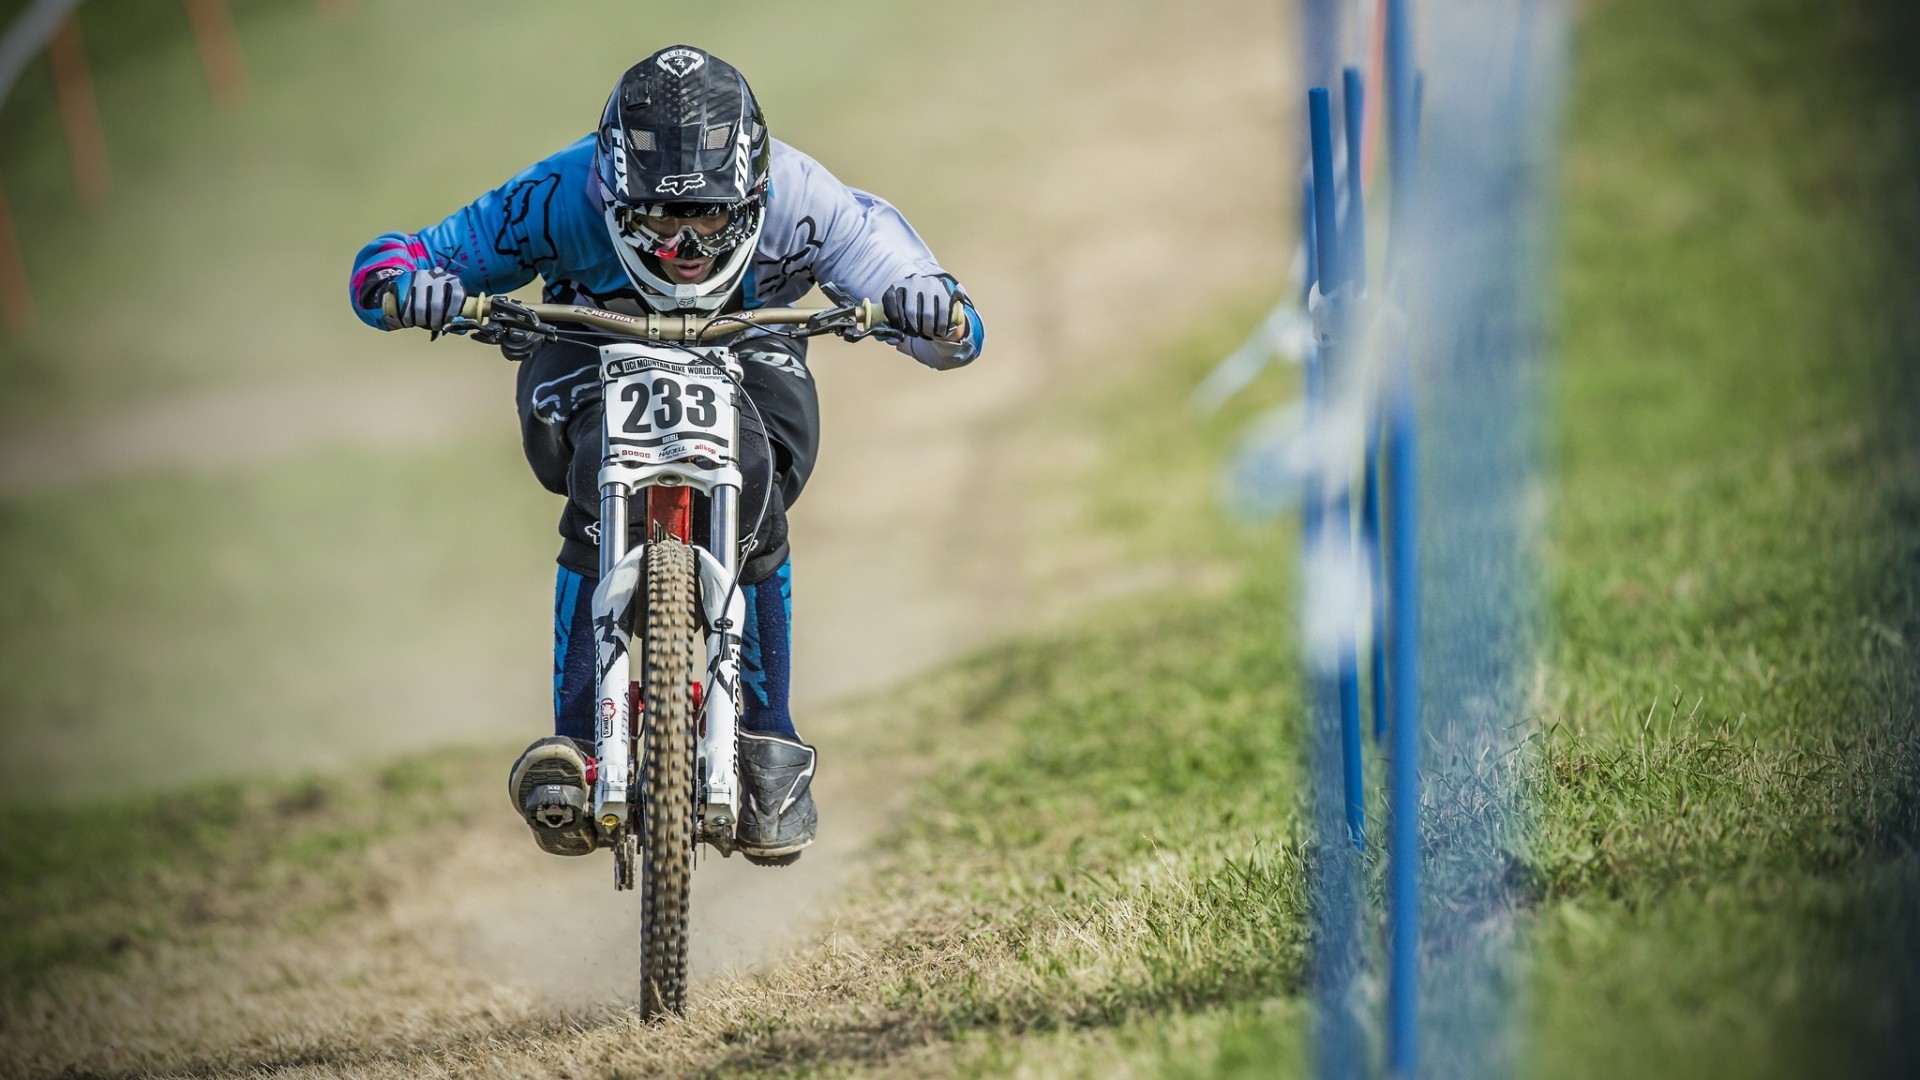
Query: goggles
<point>685,230</point>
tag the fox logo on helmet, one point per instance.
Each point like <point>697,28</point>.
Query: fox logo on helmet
<point>681,62</point>
<point>680,184</point>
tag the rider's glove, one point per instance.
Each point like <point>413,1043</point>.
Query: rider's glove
<point>922,306</point>
<point>428,299</point>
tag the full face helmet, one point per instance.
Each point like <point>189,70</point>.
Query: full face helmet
<point>681,160</point>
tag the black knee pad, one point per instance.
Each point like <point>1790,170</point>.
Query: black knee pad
<point>763,532</point>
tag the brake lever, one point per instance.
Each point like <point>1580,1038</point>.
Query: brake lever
<point>516,342</point>
<point>844,317</point>
<point>460,325</point>
<point>514,327</point>
<point>845,322</point>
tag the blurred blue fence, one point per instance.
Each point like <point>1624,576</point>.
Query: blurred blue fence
<point>1423,393</point>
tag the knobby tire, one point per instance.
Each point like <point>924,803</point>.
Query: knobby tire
<point>671,641</point>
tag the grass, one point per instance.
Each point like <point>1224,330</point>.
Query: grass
<point>1727,815</point>
<point>350,603</point>
<point>90,885</point>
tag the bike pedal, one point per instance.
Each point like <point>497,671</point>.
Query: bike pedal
<point>555,806</point>
<point>788,859</point>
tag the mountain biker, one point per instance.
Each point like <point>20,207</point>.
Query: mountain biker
<point>680,202</point>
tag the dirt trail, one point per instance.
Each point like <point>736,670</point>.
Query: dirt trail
<point>1122,171</point>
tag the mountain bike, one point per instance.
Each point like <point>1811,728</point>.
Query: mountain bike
<point>664,775</point>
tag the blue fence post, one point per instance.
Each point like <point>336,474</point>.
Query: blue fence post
<point>1370,541</point>
<point>1340,1040</point>
<point>1401,526</point>
<point>1353,99</point>
<point>1353,251</point>
<point>1309,213</point>
<point>1335,517</point>
<point>1326,214</point>
<point>1403,758</point>
<point>1402,131</point>
<point>1354,87</point>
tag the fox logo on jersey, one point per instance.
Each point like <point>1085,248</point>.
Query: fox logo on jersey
<point>680,184</point>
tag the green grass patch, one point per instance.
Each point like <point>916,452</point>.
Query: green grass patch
<point>165,627</point>
<point>87,885</point>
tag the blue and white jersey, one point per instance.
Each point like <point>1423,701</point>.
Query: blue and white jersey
<point>549,222</point>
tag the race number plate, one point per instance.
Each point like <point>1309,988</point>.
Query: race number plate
<point>663,410</point>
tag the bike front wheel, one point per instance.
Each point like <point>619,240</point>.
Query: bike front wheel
<point>672,639</point>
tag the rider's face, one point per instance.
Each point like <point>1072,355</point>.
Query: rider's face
<point>687,271</point>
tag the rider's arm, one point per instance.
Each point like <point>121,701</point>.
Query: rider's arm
<point>866,246</point>
<point>496,243</point>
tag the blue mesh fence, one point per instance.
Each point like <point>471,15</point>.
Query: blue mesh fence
<point>1478,262</point>
<point>1415,462</point>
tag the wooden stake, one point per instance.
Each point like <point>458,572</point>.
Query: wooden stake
<point>219,46</point>
<point>16,302</point>
<point>79,115</point>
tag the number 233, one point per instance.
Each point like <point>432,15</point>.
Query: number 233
<point>673,403</point>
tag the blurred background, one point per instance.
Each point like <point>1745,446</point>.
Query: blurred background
<point>242,532</point>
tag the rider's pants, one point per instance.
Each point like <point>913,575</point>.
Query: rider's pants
<point>766,651</point>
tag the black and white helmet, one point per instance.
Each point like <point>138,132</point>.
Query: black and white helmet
<point>683,145</point>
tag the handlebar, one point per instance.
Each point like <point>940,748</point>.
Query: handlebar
<point>488,316</point>
<point>683,328</point>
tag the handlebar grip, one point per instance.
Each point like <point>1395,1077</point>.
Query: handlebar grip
<point>473,307</point>
<point>871,316</point>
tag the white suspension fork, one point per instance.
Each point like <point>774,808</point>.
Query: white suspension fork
<point>613,599</point>
<point>724,607</point>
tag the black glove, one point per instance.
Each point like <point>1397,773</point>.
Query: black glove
<point>922,305</point>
